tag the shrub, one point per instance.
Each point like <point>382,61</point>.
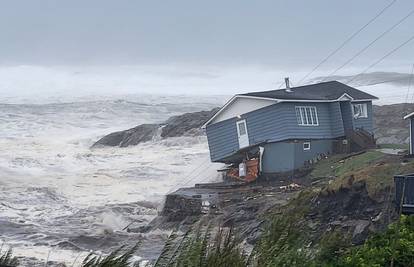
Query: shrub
<point>379,249</point>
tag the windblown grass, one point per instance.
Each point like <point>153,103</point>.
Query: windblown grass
<point>394,146</point>
<point>114,259</point>
<point>197,248</point>
<point>7,258</point>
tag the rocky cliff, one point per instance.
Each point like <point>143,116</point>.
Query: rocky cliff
<point>188,124</point>
<point>389,127</point>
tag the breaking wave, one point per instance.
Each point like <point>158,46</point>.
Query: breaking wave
<point>59,197</point>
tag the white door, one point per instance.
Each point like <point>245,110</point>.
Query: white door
<point>242,133</point>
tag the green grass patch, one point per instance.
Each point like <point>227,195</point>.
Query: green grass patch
<point>394,146</point>
<point>357,162</point>
<point>337,166</point>
<point>373,167</point>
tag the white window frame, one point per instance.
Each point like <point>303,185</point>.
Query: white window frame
<point>303,118</point>
<point>308,144</point>
<point>363,110</point>
<point>242,138</point>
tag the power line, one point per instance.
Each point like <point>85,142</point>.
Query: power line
<point>409,82</point>
<point>381,59</point>
<point>370,44</point>
<point>408,88</point>
<point>280,86</point>
<point>347,40</point>
<point>191,175</point>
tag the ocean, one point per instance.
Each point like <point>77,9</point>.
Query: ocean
<point>60,199</point>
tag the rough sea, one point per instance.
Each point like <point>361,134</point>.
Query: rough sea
<point>60,199</point>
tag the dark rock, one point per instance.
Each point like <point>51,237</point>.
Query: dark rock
<point>389,125</point>
<point>134,136</point>
<point>178,206</point>
<point>188,124</point>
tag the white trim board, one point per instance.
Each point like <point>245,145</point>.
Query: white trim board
<point>408,115</point>
<point>239,105</point>
<point>411,137</point>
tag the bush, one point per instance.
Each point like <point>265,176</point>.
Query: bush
<point>379,249</point>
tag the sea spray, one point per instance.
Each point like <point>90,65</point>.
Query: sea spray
<point>55,192</point>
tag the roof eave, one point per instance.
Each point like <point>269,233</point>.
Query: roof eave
<point>409,115</point>
<point>279,100</point>
<point>231,101</point>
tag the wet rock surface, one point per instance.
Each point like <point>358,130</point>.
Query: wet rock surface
<point>350,210</point>
<point>389,125</point>
<point>188,124</point>
<point>241,206</point>
<point>130,137</point>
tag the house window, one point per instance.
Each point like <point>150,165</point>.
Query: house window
<point>307,115</point>
<point>306,145</point>
<point>360,110</point>
<point>242,128</point>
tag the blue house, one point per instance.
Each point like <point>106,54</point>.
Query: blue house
<point>291,127</point>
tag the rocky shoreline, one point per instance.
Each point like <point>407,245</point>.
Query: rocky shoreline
<point>188,124</point>
<point>389,127</point>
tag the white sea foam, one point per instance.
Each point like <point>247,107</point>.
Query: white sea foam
<point>54,188</point>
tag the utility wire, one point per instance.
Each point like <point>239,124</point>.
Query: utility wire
<point>192,174</point>
<point>408,90</point>
<point>347,40</point>
<point>409,82</point>
<point>370,44</point>
<point>280,86</point>
<point>381,59</point>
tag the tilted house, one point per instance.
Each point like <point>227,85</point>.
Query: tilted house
<point>293,125</point>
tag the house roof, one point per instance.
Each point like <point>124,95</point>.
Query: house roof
<point>332,90</point>
<point>320,92</point>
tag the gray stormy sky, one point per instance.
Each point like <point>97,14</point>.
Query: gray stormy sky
<point>280,33</point>
<point>287,36</point>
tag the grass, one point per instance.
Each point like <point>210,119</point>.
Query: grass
<point>114,259</point>
<point>394,146</point>
<point>373,168</point>
<point>397,241</point>
<point>7,258</point>
<point>335,166</point>
<point>197,248</point>
<point>290,241</point>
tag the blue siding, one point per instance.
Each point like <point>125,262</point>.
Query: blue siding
<point>289,155</point>
<point>222,139</point>
<point>365,123</point>
<point>274,123</point>
<point>337,124</point>
<point>278,157</point>
<point>278,122</point>
<point>317,147</point>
